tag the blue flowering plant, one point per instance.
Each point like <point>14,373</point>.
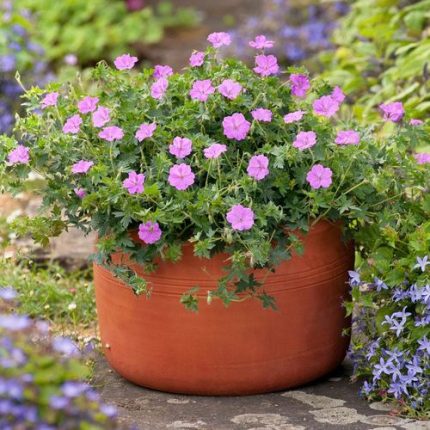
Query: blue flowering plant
<point>41,377</point>
<point>18,54</point>
<point>223,156</point>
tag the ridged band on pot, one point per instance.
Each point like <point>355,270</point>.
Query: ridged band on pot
<point>242,349</point>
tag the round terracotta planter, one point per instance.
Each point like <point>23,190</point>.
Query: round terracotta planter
<point>242,349</point>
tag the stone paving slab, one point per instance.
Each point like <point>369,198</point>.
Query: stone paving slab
<point>331,403</point>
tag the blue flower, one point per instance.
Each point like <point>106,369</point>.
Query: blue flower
<point>422,263</point>
<point>8,293</point>
<point>397,389</point>
<point>354,278</point>
<point>65,346</point>
<point>424,345</point>
<point>74,388</point>
<point>58,402</point>
<point>380,285</point>
<point>14,322</point>
<point>382,367</point>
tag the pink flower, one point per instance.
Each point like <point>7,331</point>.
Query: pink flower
<point>266,65</point>
<point>145,131</point>
<point>294,116</point>
<point>230,89</point>
<point>88,104</point>
<point>240,217</point>
<point>416,122</point>
<point>215,150</point>
<point>236,126</point>
<point>149,232</point>
<point>125,62</point>
<point>393,112</point>
<point>73,124</point>
<point>258,167</point>
<point>19,155</point>
<point>319,176</point>
<point>260,42</point>
<point>49,100</point>
<point>159,88</point>
<point>134,183</point>
<point>348,137</point>
<point>101,116</point>
<point>325,106</point>
<point>181,147</point>
<point>299,85</point>
<point>80,192</point>
<point>162,71</point>
<point>201,90</point>
<point>304,140</point>
<point>197,59</point>
<point>337,95</point>
<point>219,39</point>
<point>111,133</point>
<point>181,176</point>
<point>422,158</point>
<point>261,114</point>
<point>82,166</point>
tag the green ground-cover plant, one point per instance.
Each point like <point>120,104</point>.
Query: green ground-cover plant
<point>382,55</point>
<point>98,29</point>
<point>221,155</point>
<point>64,298</point>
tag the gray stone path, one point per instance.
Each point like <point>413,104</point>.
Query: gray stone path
<point>332,403</point>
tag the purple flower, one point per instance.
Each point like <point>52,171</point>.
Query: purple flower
<point>80,192</point>
<point>149,232</point>
<point>258,167</point>
<point>299,85</point>
<point>101,116</point>
<point>82,166</point>
<point>65,346</point>
<point>73,124</point>
<point>19,155</point>
<point>348,137</point>
<point>159,88</point>
<point>319,176</point>
<point>398,389</point>
<point>337,95</point>
<point>109,410</point>
<point>380,285</point>
<point>201,90</point>
<point>125,62</point>
<point>424,345</point>
<point>181,176</point>
<point>266,65</point>
<point>230,88</point>
<point>416,122</point>
<point>197,59</point>
<point>74,388</point>
<point>425,294</point>
<point>241,218</point>
<point>145,131</point>
<point>181,147</point>
<point>58,402</point>
<point>14,322</point>
<point>422,263</point>
<point>50,99</point>
<point>134,183</point>
<point>215,150</point>
<point>380,368</point>
<point>236,126</point>
<point>293,116</point>
<point>261,114</point>
<point>325,106</point>
<point>161,71</point>
<point>395,325</point>
<point>261,42</point>
<point>111,133</point>
<point>393,112</point>
<point>304,140</point>
<point>219,39</point>
<point>422,158</point>
<point>8,293</point>
<point>88,104</point>
<point>354,278</point>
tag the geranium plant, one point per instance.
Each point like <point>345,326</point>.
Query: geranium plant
<point>223,156</point>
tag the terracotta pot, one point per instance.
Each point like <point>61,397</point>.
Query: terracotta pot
<point>242,349</point>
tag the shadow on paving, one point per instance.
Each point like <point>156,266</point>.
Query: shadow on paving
<point>331,403</point>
